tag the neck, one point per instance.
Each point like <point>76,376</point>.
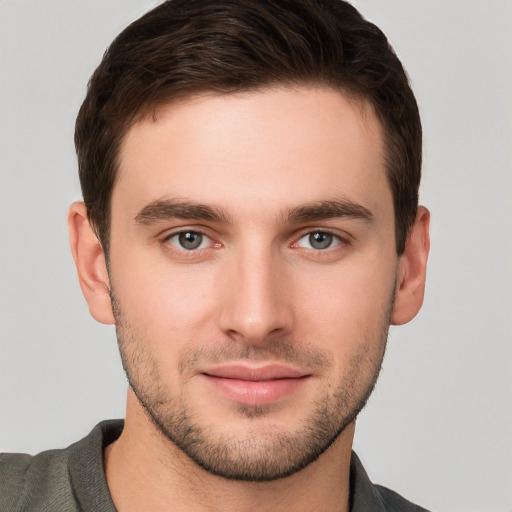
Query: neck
<point>146,471</point>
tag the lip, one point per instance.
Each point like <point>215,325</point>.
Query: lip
<point>254,373</point>
<point>254,386</point>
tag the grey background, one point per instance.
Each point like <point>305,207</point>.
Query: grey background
<point>439,427</point>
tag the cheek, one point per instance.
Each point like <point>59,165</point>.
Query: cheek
<point>348,308</point>
<point>359,291</point>
<point>158,299</point>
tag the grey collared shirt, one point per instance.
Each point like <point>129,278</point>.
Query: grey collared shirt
<point>73,479</point>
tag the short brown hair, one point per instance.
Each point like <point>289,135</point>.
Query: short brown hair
<point>185,47</point>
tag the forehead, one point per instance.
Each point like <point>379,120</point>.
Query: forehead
<point>281,146</point>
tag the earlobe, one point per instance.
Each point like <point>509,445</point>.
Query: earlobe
<point>90,264</point>
<point>410,286</point>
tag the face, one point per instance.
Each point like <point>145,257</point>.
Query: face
<point>252,273</point>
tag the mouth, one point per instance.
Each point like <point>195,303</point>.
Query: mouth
<point>255,386</point>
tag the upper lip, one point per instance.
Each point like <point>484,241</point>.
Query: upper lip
<point>251,373</point>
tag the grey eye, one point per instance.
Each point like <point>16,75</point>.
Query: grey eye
<point>189,240</point>
<point>320,240</point>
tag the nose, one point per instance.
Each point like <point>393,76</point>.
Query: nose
<point>256,298</point>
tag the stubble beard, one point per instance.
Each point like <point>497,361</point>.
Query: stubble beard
<point>258,455</point>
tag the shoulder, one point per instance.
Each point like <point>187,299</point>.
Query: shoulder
<point>59,480</point>
<point>395,502</point>
<point>365,495</point>
<point>27,479</point>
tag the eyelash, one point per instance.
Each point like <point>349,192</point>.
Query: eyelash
<point>335,241</point>
<point>194,250</point>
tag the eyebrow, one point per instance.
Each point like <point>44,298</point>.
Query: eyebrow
<point>321,210</point>
<point>164,209</point>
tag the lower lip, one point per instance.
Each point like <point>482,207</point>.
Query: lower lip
<point>250,392</point>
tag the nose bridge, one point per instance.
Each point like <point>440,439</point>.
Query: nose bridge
<point>256,302</point>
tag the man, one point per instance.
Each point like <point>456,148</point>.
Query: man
<point>250,223</point>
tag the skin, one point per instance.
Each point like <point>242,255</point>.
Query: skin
<point>268,169</point>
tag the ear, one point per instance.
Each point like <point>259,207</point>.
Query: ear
<point>412,266</point>
<point>90,264</point>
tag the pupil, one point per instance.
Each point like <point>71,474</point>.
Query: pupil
<point>190,240</point>
<point>320,240</point>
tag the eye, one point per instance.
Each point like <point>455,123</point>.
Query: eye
<point>318,240</point>
<point>189,240</point>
